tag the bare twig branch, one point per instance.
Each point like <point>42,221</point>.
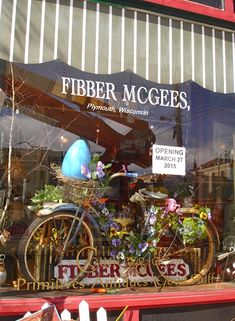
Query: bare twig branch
<point>9,180</point>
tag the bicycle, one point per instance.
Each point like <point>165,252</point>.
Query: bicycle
<point>71,231</point>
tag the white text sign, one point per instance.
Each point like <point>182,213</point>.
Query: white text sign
<point>168,160</point>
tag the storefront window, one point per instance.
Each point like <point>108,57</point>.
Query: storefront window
<point>168,216</point>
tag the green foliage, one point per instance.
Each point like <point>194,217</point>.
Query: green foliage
<point>98,171</point>
<point>193,229</point>
<point>134,244</point>
<point>49,193</point>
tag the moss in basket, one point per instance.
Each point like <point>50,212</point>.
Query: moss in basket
<point>49,193</point>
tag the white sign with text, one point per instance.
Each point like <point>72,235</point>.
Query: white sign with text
<point>110,271</point>
<point>168,160</point>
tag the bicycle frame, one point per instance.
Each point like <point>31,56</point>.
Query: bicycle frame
<point>83,219</point>
<point>86,212</point>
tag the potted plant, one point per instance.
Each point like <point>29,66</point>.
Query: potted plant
<point>44,198</point>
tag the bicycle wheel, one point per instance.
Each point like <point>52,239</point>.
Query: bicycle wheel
<point>42,255</point>
<point>182,264</point>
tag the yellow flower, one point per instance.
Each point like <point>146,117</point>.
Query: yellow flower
<point>122,233</point>
<point>203,215</point>
<point>113,232</point>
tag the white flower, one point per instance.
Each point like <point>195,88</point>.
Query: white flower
<point>151,230</point>
<point>120,256</point>
<point>105,211</point>
<point>154,242</point>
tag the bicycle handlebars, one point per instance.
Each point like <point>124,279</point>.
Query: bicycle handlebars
<point>124,174</point>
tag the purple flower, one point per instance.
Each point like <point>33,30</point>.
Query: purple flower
<point>116,242</point>
<point>152,219</point>
<point>105,227</point>
<point>164,213</point>
<point>99,165</point>
<point>113,253</point>
<point>131,249</point>
<point>114,225</point>
<point>99,170</point>
<point>85,171</point>
<point>143,246</point>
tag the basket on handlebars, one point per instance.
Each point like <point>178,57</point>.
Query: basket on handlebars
<point>78,191</point>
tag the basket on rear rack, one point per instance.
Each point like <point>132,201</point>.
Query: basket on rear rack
<point>78,191</point>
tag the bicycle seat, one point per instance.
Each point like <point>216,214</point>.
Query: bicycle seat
<point>156,195</point>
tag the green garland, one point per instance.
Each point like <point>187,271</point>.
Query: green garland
<point>133,245</point>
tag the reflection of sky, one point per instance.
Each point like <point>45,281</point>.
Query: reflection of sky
<point>31,133</point>
<point>207,128</point>
<point>212,123</point>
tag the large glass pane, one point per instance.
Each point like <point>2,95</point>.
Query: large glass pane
<point>180,141</point>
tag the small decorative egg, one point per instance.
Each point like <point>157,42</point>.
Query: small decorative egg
<point>78,155</point>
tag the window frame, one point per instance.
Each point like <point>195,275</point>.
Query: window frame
<point>227,13</point>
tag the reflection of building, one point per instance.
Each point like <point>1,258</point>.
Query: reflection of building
<point>219,168</point>
<point>216,188</point>
<point>171,46</point>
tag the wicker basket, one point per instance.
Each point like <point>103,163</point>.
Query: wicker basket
<point>78,191</point>
<point>80,194</point>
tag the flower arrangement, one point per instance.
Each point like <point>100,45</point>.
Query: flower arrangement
<point>133,245</point>
<point>96,182</point>
<point>96,170</point>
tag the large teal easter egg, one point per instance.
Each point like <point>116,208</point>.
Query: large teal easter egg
<point>78,155</point>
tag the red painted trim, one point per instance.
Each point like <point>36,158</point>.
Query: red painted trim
<point>136,302</point>
<point>227,14</point>
<point>132,315</point>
